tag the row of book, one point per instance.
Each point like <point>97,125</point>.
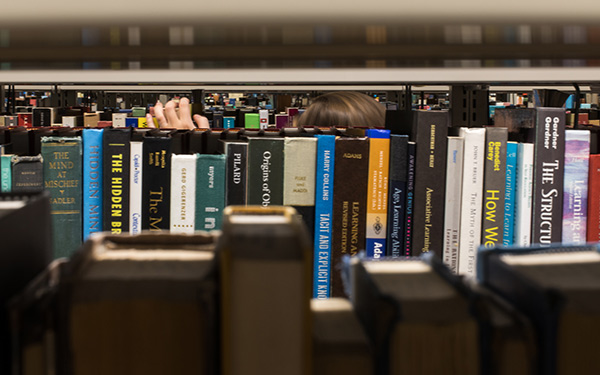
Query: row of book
<point>238,302</point>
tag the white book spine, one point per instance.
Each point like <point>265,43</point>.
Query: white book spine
<point>524,195</point>
<point>472,199</point>
<point>135,188</point>
<point>183,193</point>
<point>454,175</point>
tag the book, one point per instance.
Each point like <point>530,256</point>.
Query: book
<point>548,173</point>
<point>5,174</point>
<point>27,174</point>
<point>349,203</point>
<point>299,165</point>
<point>410,194</point>
<point>183,193</point>
<point>510,193</point>
<point>430,131</point>
<point>210,192</point>
<point>265,171</point>
<point>472,199</point>
<point>136,172</point>
<point>377,192</point>
<point>92,181</point>
<point>236,173</point>
<point>42,116</point>
<point>266,323</point>
<point>63,179</point>
<point>116,171</point>
<point>593,208</point>
<point>494,186</point>
<point>576,166</point>
<point>324,191</point>
<point>524,194</point>
<point>454,179</point>
<point>398,170</point>
<point>156,182</point>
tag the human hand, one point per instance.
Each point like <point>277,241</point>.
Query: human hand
<point>169,117</point>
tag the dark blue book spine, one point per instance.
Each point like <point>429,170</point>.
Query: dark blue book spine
<point>92,181</point>
<point>410,192</point>
<point>397,194</point>
<point>323,216</point>
<point>509,194</point>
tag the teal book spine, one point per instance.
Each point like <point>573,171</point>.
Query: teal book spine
<point>5,174</point>
<point>62,179</point>
<point>92,181</point>
<point>210,191</point>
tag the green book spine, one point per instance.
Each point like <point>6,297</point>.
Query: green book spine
<point>5,174</point>
<point>210,191</point>
<point>265,171</point>
<point>62,178</point>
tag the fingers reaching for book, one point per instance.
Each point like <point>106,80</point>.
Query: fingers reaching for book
<point>169,116</point>
<point>201,121</point>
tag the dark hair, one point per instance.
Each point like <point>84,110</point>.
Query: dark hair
<point>343,108</point>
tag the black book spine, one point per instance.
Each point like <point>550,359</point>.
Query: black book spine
<point>265,171</point>
<point>431,134</point>
<point>410,195</point>
<point>27,174</point>
<point>397,194</point>
<point>494,186</point>
<point>156,183</point>
<point>236,171</point>
<point>116,157</point>
<point>548,175</point>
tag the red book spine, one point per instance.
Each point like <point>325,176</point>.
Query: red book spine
<point>593,222</point>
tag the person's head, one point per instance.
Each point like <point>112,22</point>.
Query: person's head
<point>343,108</point>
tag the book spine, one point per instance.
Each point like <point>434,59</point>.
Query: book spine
<point>183,193</point>
<point>509,194</point>
<point>27,174</point>
<point>92,182</point>
<point>210,192</point>
<point>410,194</point>
<point>135,187</point>
<point>265,171</point>
<point>377,192</point>
<point>524,194</point>
<point>454,178</point>
<point>494,186</point>
<point>397,194</point>
<point>323,216</point>
<point>472,198</point>
<point>300,159</point>
<point>349,203</point>
<point>116,153</point>
<point>548,173</point>
<point>430,172</point>
<point>156,184</point>
<point>593,214</point>
<point>577,156</point>
<point>62,179</point>
<point>236,171</point>
<point>5,174</point>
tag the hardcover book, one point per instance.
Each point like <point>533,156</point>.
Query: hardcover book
<point>454,179</point>
<point>183,193</point>
<point>510,193</point>
<point>92,182</point>
<point>300,159</point>
<point>136,172</point>
<point>63,178</point>
<point>156,183</point>
<point>210,192</point>
<point>430,132</point>
<point>323,216</point>
<point>116,154</point>
<point>524,194</point>
<point>377,192</point>
<point>5,174</point>
<point>494,186</point>
<point>265,171</point>
<point>236,173</point>
<point>577,156</point>
<point>398,172</point>
<point>593,208</point>
<point>410,195</point>
<point>349,203</point>
<point>27,174</point>
<point>548,173</point>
